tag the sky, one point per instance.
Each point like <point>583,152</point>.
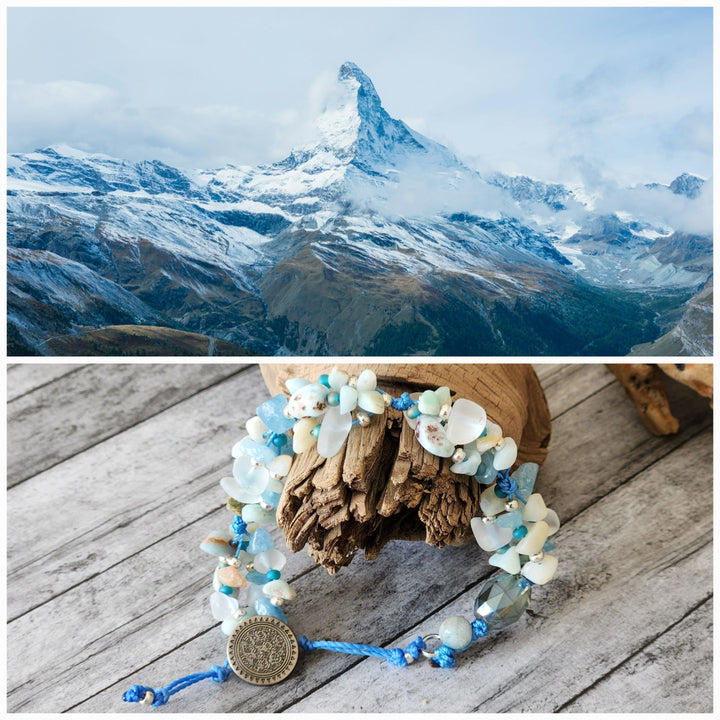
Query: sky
<point>560,94</point>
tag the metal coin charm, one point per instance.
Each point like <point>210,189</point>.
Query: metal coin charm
<point>262,650</point>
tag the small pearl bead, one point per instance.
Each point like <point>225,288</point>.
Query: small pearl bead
<point>487,519</point>
<point>276,601</point>
<point>537,557</point>
<point>458,455</point>
<point>512,505</point>
<point>352,382</point>
<point>363,418</point>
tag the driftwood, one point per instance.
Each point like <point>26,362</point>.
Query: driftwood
<point>383,485</point>
<point>645,386</point>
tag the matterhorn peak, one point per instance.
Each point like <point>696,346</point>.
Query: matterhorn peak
<point>366,97</point>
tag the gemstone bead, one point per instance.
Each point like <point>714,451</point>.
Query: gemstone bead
<point>431,435</point>
<point>366,381</point>
<point>443,395</point>
<point>509,561</point>
<point>489,535</point>
<point>535,538</point>
<point>524,476</point>
<point>542,571</point>
<point>254,513</point>
<point>222,605</point>
<point>486,472</point>
<point>348,399</point>
<point>510,519</point>
<point>280,465</point>
<point>263,606</point>
<point>534,508</point>
<point>490,503</point>
<point>260,541</point>
<point>428,404</point>
<point>256,428</point>
<point>218,543</point>
<point>294,384</point>
<point>338,379</point>
<point>371,401</point>
<point>466,422</point>
<point>553,522</point>
<point>506,455</point>
<point>279,589</point>
<point>470,464</point>
<point>303,438</point>
<point>271,412</point>
<point>231,577</point>
<point>269,560</point>
<point>249,448</point>
<point>493,435</point>
<point>456,633</point>
<point>309,401</point>
<point>501,602</point>
<point>333,432</point>
<point>229,624</point>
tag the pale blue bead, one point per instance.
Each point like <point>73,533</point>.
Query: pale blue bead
<point>256,577</point>
<point>222,606</point>
<point>229,624</point>
<point>262,453</point>
<point>486,472</point>
<point>271,413</point>
<point>548,546</point>
<point>294,384</point>
<point>218,543</point>
<point>271,498</point>
<point>510,519</point>
<point>263,606</point>
<point>254,513</point>
<point>260,540</point>
<point>525,476</point>
<point>456,633</point>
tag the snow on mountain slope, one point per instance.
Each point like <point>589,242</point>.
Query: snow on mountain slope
<point>369,219</point>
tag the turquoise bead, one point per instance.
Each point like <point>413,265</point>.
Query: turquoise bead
<point>520,532</point>
<point>333,398</point>
<point>414,412</point>
<point>500,493</point>
<point>316,431</point>
<point>226,590</point>
<point>324,379</point>
<point>256,577</point>
<point>272,575</point>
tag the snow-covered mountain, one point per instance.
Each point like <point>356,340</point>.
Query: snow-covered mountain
<point>370,239</point>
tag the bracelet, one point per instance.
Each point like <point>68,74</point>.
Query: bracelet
<point>248,589</point>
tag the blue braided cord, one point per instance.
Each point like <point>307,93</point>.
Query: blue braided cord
<point>508,485</point>
<point>404,402</point>
<point>444,657</point>
<point>479,628</point>
<point>395,656</point>
<point>218,673</point>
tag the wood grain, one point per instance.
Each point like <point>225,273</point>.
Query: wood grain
<point>120,596</point>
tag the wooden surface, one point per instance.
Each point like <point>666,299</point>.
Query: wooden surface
<point>113,481</point>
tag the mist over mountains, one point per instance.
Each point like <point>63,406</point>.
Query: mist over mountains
<point>369,239</point>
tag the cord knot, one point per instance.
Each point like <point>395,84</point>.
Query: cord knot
<point>220,673</point>
<point>397,658</point>
<point>137,693</point>
<point>479,628</point>
<point>161,697</point>
<point>444,657</point>
<point>404,402</point>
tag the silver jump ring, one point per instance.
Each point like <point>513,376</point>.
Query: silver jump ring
<point>429,655</point>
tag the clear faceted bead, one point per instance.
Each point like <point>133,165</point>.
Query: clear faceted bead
<point>501,602</point>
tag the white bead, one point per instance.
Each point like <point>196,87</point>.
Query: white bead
<point>491,439</point>
<point>303,439</point>
<point>534,509</point>
<point>280,465</point>
<point>372,401</point>
<point>535,539</point>
<point>269,560</point>
<point>337,378</point>
<point>309,401</point>
<point>366,381</point>
<point>348,399</point>
<point>294,384</point>
<point>490,503</point>
<point>540,572</point>
<point>431,435</point>
<point>506,455</point>
<point>279,589</point>
<point>553,521</point>
<point>333,432</point>
<point>470,464</point>
<point>222,606</point>
<point>509,561</point>
<point>489,535</point>
<point>443,395</point>
<point>466,421</point>
<point>255,428</point>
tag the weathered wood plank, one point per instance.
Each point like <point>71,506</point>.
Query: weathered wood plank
<point>117,497</point>
<point>77,411</point>
<point>622,582</point>
<point>649,679</point>
<point>26,377</point>
<point>569,385</point>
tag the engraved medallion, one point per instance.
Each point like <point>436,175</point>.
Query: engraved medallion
<point>262,650</point>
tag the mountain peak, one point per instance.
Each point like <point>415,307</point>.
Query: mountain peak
<point>687,184</point>
<point>368,101</point>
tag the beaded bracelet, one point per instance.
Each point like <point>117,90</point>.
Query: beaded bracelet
<point>515,526</point>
